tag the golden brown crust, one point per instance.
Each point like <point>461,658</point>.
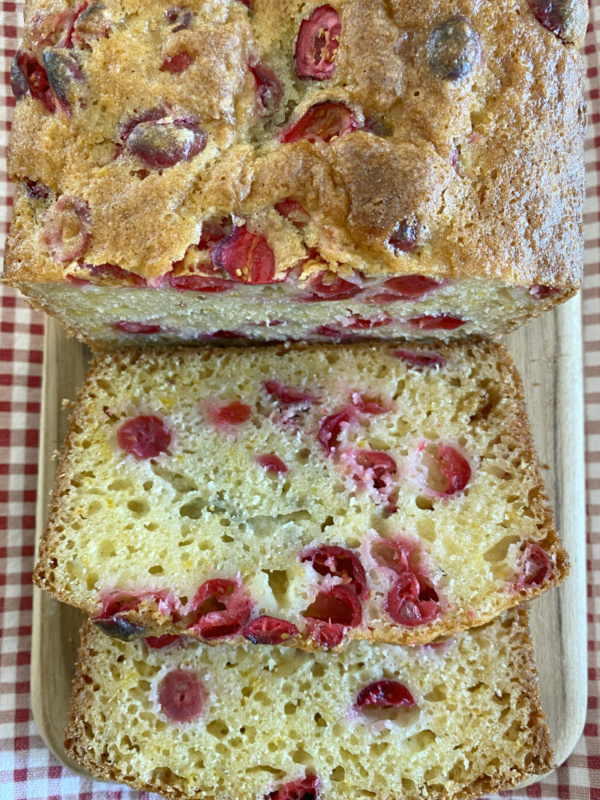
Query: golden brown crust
<point>510,210</point>
<point>540,755</point>
<point>453,620</point>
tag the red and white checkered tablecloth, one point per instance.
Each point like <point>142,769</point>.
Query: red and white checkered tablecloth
<point>27,769</point>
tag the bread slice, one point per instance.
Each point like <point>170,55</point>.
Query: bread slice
<point>455,720</point>
<point>187,171</point>
<point>300,495</point>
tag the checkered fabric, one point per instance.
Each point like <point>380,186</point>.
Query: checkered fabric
<point>27,769</point>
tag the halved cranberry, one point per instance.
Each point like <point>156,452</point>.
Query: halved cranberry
<point>294,211</point>
<point>125,326</point>
<point>304,789</point>
<point>160,642</point>
<point>64,75</point>
<point>18,81</point>
<point>269,90</point>
<point>384,694</point>
<point>333,332</point>
<point>220,609</point>
<point>289,395</point>
<point>144,437</point>
<point>552,14</point>
<point>331,613</point>
<point>332,426</point>
<point>330,559</point>
<point>540,292</point>
<point>176,63</point>
<point>395,554</point>
<point>421,358</point>
<point>208,279</point>
<point>165,142</point>
<point>366,404</point>
<point>534,567</point>
<point>412,601</point>
<point>453,49</point>
<point>272,463</point>
<point>454,467</point>
<point>222,334</point>
<point>91,22</point>
<point>321,123</point>
<point>410,287</point>
<point>34,75</point>
<point>234,413</point>
<point>317,44</point>
<point>405,236</point>
<point>66,231</point>
<point>246,257</point>
<point>439,322</point>
<point>269,630</point>
<point>181,696</point>
<point>375,466</point>
<point>329,286</point>
<point>441,469</point>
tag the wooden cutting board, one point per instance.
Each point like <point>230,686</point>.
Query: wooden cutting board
<point>549,355</point>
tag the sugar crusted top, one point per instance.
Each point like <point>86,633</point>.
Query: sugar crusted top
<point>413,139</point>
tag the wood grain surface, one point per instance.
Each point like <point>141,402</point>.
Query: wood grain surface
<point>549,355</point>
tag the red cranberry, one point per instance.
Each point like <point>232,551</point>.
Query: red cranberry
<point>329,559</point>
<point>332,427</point>
<point>269,630</point>
<point>369,405</point>
<point>162,143</point>
<point>410,287</point>
<point>421,358</point>
<point>27,70</point>
<point>220,609</point>
<point>534,568</point>
<point>268,88</point>
<point>289,395</point>
<point>338,605</point>
<point>304,789</point>
<point>541,292</point>
<point>333,333</point>
<point>272,463</point>
<point>209,280</point>
<point>384,694</point>
<point>160,642</point>
<point>294,211</point>
<point>66,231</point>
<point>329,286</point>
<point>375,466</point>
<point>137,327</point>
<point>213,230</point>
<point>90,23</point>
<point>144,437</point>
<point>442,469</point>
<point>36,190</point>
<point>439,322</point>
<point>317,44</point>
<point>453,49</point>
<point>176,63</point>
<point>246,257</point>
<point>359,323</point>
<point>321,123</point>
<point>181,696</point>
<point>234,413</point>
<point>412,601</point>
<point>552,14</point>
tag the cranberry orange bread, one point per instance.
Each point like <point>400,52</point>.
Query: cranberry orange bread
<point>456,720</point>
<point>299,495</point>
<point>360,167</point>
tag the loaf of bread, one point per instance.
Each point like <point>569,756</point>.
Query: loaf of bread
<point>276,170</point>
<point>456,720</point>
<point>300,495</point>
